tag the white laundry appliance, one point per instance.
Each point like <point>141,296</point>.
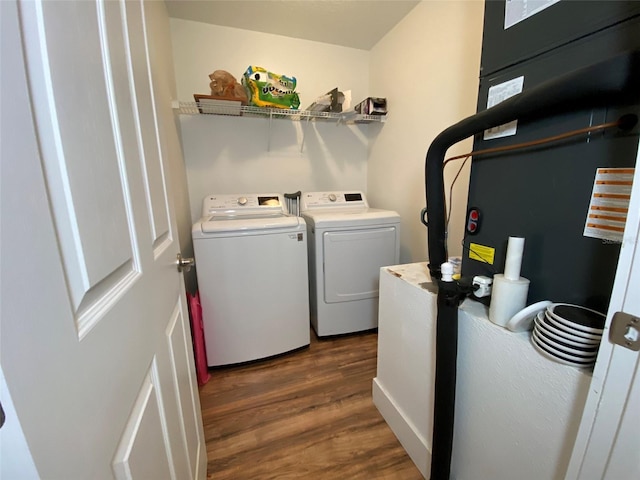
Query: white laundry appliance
<point>251,263</point>
<point>348,243</point>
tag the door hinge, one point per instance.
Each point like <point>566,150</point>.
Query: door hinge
<point>625,331</point>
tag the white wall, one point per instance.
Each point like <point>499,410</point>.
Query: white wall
<point>517,413</point>
<point>233,155</point>
<point>428,68</point>
<point>230,155</point>
<point>429,63</point>
<point>199,49</point>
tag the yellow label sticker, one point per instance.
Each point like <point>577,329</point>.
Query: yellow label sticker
<point>482,253</point>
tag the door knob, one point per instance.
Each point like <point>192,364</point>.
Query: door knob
<point>184,264</point>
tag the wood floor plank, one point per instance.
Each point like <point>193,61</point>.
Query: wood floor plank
<point>306,414</point>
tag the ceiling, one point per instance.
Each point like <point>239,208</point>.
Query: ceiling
<point>350,23</point>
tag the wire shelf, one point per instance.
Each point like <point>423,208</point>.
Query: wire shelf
<point>223,107</point>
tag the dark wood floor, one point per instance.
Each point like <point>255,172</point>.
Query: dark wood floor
<point>308,414</point>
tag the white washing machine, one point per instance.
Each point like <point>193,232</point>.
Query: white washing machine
<point>348,243</point>
<point>251,263</point>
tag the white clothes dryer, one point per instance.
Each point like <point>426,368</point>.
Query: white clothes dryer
<point>251,265</point>
<point>348,244</point>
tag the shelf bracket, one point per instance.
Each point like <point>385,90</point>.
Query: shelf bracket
<point>304,133</point>
<point>269,137</point>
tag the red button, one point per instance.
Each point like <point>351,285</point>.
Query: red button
<point>472,227</point>
<point>473,215</point>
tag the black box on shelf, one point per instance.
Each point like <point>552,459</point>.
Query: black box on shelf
<point>372,106</point>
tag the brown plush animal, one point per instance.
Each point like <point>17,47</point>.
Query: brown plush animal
<point>223,84</point>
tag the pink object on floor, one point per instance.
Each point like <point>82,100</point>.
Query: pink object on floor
<point>197,332</point>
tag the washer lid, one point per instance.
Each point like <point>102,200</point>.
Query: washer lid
<point>243,223</point>
<point>350,218</point>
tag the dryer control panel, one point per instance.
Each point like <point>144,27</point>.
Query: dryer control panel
<point>313,200</point>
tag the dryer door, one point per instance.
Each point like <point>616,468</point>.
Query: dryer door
<point>352,261</point>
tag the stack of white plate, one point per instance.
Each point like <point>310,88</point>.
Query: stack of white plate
<point>568,334</point>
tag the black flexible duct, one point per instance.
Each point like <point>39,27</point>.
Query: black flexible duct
<point>612,82</point>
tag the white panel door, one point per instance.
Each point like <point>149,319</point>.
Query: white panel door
<point>95,341</point>
<point>608,441</point>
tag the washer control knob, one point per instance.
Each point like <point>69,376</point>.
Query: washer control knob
<point>332,197</point>
<point>242,200</point>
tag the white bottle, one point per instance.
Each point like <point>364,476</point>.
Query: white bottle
<point>509,291</point>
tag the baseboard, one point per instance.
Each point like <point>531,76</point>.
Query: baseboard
<point>403,429</point>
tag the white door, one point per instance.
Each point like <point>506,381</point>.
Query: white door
<point>608,441</point>
<point>95,342</point>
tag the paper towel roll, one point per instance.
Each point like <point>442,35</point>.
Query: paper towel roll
<point>515,248</point>
<point>508,297</point>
